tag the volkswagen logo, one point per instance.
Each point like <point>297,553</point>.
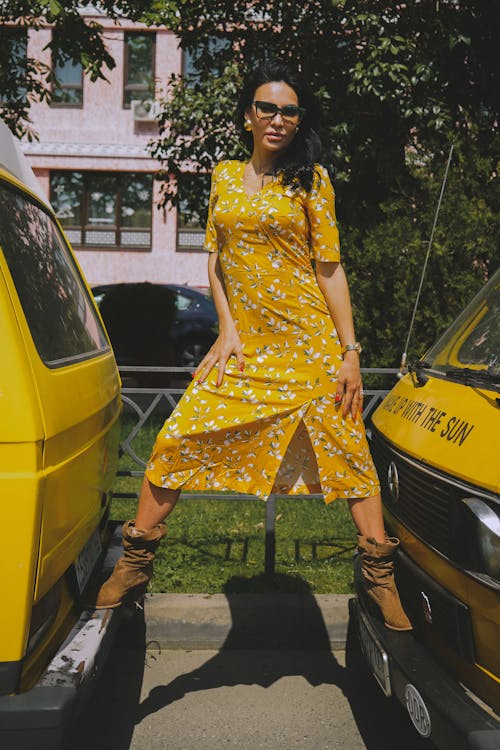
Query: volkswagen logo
<point>393,481</point>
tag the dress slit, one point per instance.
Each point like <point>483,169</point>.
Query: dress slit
<point>298,470</point>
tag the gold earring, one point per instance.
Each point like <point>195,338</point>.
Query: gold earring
<point>248,126</point>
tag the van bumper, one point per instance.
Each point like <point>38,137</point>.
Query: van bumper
<point>39,717</point>
<point>438,707</point>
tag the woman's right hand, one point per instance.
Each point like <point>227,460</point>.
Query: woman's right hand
<point>227,343</point>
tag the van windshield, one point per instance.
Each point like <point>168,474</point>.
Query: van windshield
<point>57,307</point>
<point>470,349</point>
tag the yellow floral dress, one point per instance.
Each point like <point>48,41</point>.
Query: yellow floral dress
<point>274,427</point>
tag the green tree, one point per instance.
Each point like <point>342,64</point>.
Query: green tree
<point>384,263</point>
<point>24,79</point>
<point>398,84</point>
<point>388,75</point>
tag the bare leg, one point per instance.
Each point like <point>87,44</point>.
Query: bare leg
<point>377,565</point>
<point>155,504</point>
<point>134,569</point>
<point>366,513</point>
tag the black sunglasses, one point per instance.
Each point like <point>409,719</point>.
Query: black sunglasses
<point>268,110</point>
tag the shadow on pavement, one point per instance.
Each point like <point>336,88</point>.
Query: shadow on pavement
<point>382,723</point>
<point>109,721</point>
<point>269,632</point>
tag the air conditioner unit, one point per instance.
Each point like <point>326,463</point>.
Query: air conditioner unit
<point>144,111</point>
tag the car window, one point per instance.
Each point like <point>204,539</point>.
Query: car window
<point>139,319</point>
<point>195,301</point>
<point>473,339</point>
<point>185,303</point>
<point>59,312</point>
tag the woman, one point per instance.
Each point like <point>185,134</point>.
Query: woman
<point>275,405</point>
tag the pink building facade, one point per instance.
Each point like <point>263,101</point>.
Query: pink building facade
<point>92,161</point>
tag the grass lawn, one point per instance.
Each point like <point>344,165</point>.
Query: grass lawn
<point>217,545</point>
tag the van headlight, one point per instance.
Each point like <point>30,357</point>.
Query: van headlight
<point>487,535</point>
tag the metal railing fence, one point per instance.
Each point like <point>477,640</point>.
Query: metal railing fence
<point>143,405</point>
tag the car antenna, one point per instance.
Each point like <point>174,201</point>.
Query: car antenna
<point>404,356</point>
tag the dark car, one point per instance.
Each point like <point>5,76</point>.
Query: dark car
<point>157,324</point>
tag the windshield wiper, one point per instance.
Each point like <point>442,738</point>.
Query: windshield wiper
<point>470,375</point>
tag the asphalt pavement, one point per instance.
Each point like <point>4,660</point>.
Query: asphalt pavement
<point>253,689</point>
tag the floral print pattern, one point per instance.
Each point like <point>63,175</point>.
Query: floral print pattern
<point>274,427</point>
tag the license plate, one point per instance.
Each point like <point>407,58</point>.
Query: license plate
<point>374,654</point>
<point>86,560</point>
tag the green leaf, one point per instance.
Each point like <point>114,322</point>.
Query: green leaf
<point>55,8</point>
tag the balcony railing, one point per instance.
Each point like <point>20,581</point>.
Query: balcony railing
<point>145,408</point>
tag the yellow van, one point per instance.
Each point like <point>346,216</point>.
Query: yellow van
<point>435,440</point>
<point>59,418</point>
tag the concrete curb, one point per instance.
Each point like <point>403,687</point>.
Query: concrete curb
<point>245,621</point>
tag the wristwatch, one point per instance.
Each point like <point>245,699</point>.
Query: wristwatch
<point>352,348</point>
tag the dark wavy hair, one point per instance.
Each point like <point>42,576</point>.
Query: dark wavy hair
<point>296,164</point>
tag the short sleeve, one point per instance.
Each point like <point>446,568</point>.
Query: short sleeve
<point>324,240</point>
<point>210,244</point>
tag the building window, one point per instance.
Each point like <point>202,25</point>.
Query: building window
<point>14,44</point>
<point>189,67</point>
<point>191,58</point>
<point>67,89</point>
<point>104,210</point>
<point>139,68</point>
<point>191,224</point>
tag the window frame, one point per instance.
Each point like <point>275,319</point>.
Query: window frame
<point>188,248</point>
<point>139,88</point>
<point>118,228</point>
<point>67,87</point>
<point>216,43</point>
<point>21,32</point>
<point>198,229</point>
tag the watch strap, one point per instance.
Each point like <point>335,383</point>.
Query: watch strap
<point>356,347</point>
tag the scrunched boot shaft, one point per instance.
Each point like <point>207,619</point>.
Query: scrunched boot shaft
<point>378,574</point>
<point>134,570</point>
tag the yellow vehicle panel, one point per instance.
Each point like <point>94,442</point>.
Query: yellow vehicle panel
<point>448,425</point>
<point>59,426</point>
<point>20,418</point>
<point>485,615</point>
<point>446,433</point>
<point>22,493</point>
<point>76,484</point>
<point>434,440</point>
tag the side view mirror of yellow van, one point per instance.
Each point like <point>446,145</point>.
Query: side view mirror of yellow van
<point>59,421</point>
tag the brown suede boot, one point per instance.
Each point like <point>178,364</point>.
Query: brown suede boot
<point>133,571</point>
<point>378,574</point>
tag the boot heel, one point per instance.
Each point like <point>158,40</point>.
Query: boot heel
<point>137,595</point>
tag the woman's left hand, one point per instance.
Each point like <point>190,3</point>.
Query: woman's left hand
<point>350,386</point>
